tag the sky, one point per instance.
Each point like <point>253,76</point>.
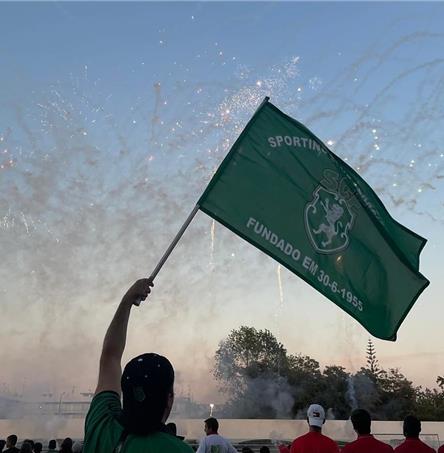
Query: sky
<point>113,118</point>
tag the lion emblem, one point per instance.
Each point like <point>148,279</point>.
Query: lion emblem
<point>328,221</point>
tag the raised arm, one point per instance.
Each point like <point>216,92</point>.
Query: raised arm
<point>110,369</point>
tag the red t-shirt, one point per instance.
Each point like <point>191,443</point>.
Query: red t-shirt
<point>367,444</point>
<point>412,445</point>
<point>441,449</point>
<point>314,442</point>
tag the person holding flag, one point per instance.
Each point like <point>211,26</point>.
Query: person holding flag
<point>147,388</point>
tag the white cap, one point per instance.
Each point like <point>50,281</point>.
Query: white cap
<point>316,415</point>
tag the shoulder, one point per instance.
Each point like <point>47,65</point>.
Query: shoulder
<point>106,398</point>
<point>298,443</point>
<point>330,443</point>
<point>106,402</point>
<point>101,425</point>
<point>300,439</point>
<point>328,439</point>
<point>174,444</point>
<point>155,442</point>
<point>225,440</point>
<point>382,446</point>
<point>386,448</point>
<point>179,445</point>
<point>214,438</point>
<point>403,447</point>
<point>349,448</point>
<point>182,446</point>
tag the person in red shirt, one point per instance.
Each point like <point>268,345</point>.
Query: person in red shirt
<point>365,443</point>
<point>314,441</point>
<point>441,449</point>
<point>412,443</point>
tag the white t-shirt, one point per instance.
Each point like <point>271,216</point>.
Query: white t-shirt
<point>215,444</point>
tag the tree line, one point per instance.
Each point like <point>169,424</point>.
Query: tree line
<point>262,380</point>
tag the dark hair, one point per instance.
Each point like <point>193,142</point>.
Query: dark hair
<point>52,444</point>
<point>412,426</point>
<point>66,446</point>
<point>12,439</point>
<point>2,444</point>
<point>38,447</point>
<point>212,423</point>
<point>30,442</point>
<point>26,448</point>
<point>361,421</point>
<point>147,381</point>
<point>172,428</point>
<point>264,449</point>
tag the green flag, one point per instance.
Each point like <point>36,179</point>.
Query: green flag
<point>283,191</point>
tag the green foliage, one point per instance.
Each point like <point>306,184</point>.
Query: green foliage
<point>247,353</point>
<point>430,404</point>
<point>263,381</point>
<point>372,362</point>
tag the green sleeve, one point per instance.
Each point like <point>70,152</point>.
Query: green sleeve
<point>102,430</point>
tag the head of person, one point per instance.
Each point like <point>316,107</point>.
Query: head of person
<point>11,441</point>
<point>52,444</point>
<point>2,444</point>
<point>30,442</point>
<point>172,428</point>
<point>66,446</point>
<point>147,387</point>
<point>211,426</point>
<point>26,448</point>
<point>315,417</point>
<point>38,447</point>
<point>264,449</point>
<point>247,450</point>
<point>411,426</point>
<point>361,421</point>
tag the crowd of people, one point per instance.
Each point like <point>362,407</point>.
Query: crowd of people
<point>29,446</point>
<point>314,441</point>
<point>129,411</point>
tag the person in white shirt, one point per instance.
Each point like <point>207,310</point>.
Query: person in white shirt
<point>213,442</point>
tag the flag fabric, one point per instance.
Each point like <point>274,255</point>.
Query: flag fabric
<point>282,190</point>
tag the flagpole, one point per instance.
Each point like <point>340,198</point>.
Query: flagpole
<point>174,243</point>
<point>171,246</point>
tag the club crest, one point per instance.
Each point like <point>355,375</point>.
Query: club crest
<point>328,221</point>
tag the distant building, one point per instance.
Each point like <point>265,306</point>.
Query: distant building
<point>76,406</point>
<point>10,407</point>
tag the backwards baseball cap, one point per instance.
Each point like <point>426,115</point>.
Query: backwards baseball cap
<point>146,383</point>
<point>316,415</point>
